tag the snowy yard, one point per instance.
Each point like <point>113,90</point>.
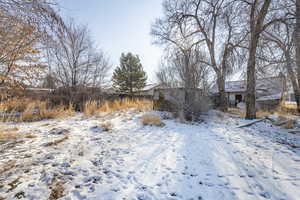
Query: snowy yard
<point>213,160</point>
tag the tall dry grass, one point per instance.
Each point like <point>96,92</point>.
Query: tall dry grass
<point>8,133</point>
<point>92,108</point>
<point>28,110</point>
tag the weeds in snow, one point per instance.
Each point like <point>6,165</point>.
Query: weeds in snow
<point>57,190</point>
<point>9,134</point>
<point>107,126</point>
<point>27,110</point>
<point>56,142</point>
<point>93,108</point>
<point>152,120</point>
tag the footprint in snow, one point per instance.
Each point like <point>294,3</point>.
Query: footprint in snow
<point>143,197</point>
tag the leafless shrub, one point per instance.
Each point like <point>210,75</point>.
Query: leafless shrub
<point>152,120</point>
<point>107,126</point>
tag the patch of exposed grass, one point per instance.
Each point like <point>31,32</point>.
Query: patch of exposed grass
<point>57,190</point>
<point>7,166</point>
<point>30,136</point>
<point>56,142</point>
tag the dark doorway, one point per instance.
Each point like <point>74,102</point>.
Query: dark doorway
<point>238,99</point>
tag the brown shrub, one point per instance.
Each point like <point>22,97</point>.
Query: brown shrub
<point>152,120</point>
<point>107,126</point>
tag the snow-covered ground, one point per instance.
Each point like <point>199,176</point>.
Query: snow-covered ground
<point>212,160</point>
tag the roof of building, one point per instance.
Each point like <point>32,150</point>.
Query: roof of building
<point>263,84</point>
<point>152,86</point>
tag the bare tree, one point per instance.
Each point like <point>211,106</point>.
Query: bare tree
<point>174,35</point>
<point>175,72</point>
<point>297,46</point>
<point>261,16</point>
<point>75,60</point>
<point>24,27</point>
<point>215,25</point>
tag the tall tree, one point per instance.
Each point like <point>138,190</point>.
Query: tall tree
<point>258,12</point>
<point>75,60</point>
<point>214,25</point>
<point>297,46</point>
<point>130,75</point>
<point>261,16</point>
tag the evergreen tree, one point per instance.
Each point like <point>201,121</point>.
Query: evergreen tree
<point>130,75</point>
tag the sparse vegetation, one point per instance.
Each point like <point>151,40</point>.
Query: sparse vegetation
<point>150,119</point>
<point>8,134</point>
<point>107,126</point>
<point>28,110</point>
<point>56,142</point>
<point>57,190</point>
<point>92,108</point>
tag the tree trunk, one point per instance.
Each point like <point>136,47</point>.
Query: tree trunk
<point>297,41</point>
<point>293,78</point>
<point>222,93</point>
<point>251,79</point>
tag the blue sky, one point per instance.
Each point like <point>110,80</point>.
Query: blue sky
<point>120,26</point>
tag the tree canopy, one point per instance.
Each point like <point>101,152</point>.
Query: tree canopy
<point>130,75</point>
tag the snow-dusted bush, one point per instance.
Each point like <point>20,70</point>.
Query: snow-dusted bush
<point>152,120</point>
<point>107,126</point>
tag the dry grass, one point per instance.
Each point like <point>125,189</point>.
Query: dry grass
<point>236,111</point>
<point>289,106</point>
<point>56,142</point>
<point>93,108</point>
<point>290,124</point>
<point>32,110</point>
<point>30,136</point>
<point>14,105</point>
<point>57,190</point>
<point>107,126</point>
<point>7,166</point>
<point>9,134</point>
<point>259,114</point>
<point>152,120</point>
